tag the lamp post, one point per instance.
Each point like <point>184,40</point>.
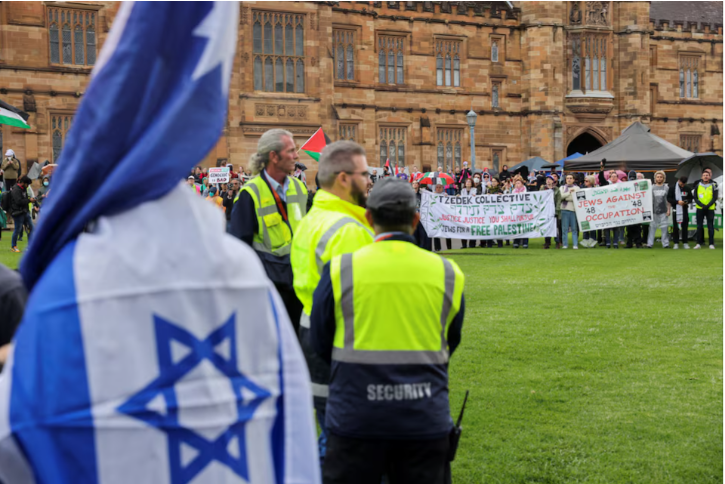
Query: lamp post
<point>471,117</point>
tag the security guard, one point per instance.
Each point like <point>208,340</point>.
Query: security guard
<point>705,193</point>
<point>335,225</point>
<point>388,317</point>
<point>268,210</point>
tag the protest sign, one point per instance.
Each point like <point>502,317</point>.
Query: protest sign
<point>219,175</point>
<point>482,217</point>
<point>612,206</point>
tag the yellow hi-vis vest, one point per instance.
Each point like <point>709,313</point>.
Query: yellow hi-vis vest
<point>332,227</point>
<point>274,235</point>
<point>394,303</point>
<point>704,195</point>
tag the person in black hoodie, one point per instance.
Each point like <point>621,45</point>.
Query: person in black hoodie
<point>504,175</point>
<point>679,197</point>
<point>19,202</point>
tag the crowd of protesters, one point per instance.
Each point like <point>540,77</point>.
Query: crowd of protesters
<point>667,201</point>
<point>345,183</point>
<point>22,205</point>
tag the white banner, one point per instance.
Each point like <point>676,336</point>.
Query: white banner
<point>481,217</point>
<point>219,175</point>
<point>612,206</point>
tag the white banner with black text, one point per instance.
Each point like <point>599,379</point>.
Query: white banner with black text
<point>612,206</point>
<point>482,217</point>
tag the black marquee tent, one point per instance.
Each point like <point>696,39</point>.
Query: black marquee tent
<point>637,148</point>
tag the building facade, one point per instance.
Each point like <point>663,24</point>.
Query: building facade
<point>545,78</point>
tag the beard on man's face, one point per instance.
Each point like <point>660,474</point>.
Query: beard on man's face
<point>359,196</point>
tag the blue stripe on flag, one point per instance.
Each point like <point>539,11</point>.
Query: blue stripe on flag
<point>150,109</point>
<point>50,400</point>
<point>278,440</point>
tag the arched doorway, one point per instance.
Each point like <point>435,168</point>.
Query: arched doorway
<point>584,143</point>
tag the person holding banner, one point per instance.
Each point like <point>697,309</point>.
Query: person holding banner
<point>589,239</point>
<point>421,236</point>
<point>551,185</point>
<point>637,234</point>
<point>568,216</point>
<point>468,191</point>
<point>616,232</point>
<point>660,211</point>
<point>680,198</point>
<point>519,187</point>
<point>437,241</point>
<point>491,187</point>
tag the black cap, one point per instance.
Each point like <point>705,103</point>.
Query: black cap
<point>392,194</point>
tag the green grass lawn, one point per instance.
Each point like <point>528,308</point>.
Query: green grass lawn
<point>7,258</point>
<point>595,365</point>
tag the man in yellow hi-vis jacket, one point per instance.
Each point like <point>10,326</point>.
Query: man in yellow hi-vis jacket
<point>388,317</point>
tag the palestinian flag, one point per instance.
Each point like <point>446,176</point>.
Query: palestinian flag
<point>315,144</point>
<point>12,116</point>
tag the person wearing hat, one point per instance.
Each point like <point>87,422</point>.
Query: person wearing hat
<point>388,317</point>
<point>464,175</point>
<point>11,169</point>
<point>191,181</point>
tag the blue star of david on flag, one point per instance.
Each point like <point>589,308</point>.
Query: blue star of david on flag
<point>139,406</point>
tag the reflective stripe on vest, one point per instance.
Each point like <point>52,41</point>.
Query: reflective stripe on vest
<point>299,198</point>
<point>348,354</point>
<point>305,320</point>
<point>320,390</point>
<point>322,243</point>
<point>704,195</point>
<point>261,212</point>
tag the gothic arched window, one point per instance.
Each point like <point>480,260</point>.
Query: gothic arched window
<point>343,52</point>
<point>392,146</point>
<point>439,70</point>
<point>54,43</point>
<point>391,59</point>
<point>448,63</point>
<point>278,51</point>
<point>72,36</point>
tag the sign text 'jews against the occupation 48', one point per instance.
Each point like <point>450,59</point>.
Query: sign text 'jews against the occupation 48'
<point>480,217</point>
<point>613,206</point>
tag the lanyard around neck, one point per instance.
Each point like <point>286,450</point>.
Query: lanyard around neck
<point>277,199</point>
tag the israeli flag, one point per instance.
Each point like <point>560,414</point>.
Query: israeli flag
<point>153,349</point>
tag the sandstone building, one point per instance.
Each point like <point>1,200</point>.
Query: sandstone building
<point>545,78</point>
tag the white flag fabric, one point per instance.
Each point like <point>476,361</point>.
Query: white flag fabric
<point>155,350</point>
